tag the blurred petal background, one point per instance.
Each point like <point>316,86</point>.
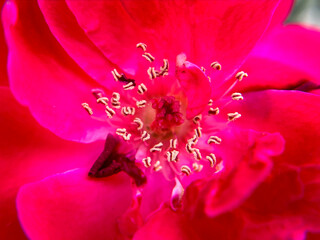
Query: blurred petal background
<point>307,12</point>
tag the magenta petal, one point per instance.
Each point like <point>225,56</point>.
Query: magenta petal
<point>294,114</point>
<point>293,45</point>
<point>45,78</point>
<point>65,28</point>
<point>195,85</point>
<point>71,205</point>
<point>3,55</point>
<point>246,165</point>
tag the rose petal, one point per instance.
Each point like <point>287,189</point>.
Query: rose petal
<point>45,79</point>
<point>29,153</point>
<point>71,206</point>
<point>294,114</point>
<point>293,45</point>
<point>246,165</point>
<point>66,30</point>
<point>3,55</point>
<point>204,30</point>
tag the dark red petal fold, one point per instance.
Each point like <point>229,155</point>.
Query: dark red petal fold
<point>71,205</point>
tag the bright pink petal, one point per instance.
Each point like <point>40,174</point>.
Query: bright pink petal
<point>246,165</point>
<point>45,78</point>
<point>294,114</point>
<point>269,74</point>
<point>204,30</point>
<point>294,46</point>
<point>281,13</point>
<point>73,39</point>
<point>71,205</point>
<point>30,153</point>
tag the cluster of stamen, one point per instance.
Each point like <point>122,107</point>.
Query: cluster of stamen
<point>168,116</point>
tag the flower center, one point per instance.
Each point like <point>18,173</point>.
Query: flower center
<point>167,113</point>
<point>150,118</point>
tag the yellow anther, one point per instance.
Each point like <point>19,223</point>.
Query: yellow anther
<point>198,132</point>
<point>87,108</point>
<point>141,104</point>
<point>143,46</point>
<point>173,143</point>
<point>157,147</point>
<point>197,119</point>
<point>197,167</point>
<point>236,96</point>
<point>241,75</point>
<point>172,156</point>
<point>142,88</point>
<point>216,65</point>
<point>189,147</point>
<point>110,112</point>
<point>165,68</point>
<point>116,75</point>
<point>213,111</point>
<point>128,111</point>
<point>148,56</point>
<point>197,154</point>
<point>193,140</point>
<point>233,116</point>
<point>116,96</point>
<point>152,73</point>
<point>128,86</point>
<point>146,162</point>
<point>97,93</point>
<point>103,100</point>
<point>212,159</point>
<point>145,136</point>
<point>139,122</point>
<point>123,133</point>
<point>157,166</point>
<point>215,140</point>
<point>203,69</point>
<point>186,170</point>
<point>210,102</point>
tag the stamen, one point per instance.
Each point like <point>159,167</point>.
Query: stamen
<point>128,111</point>
<point>197,154</point>
<point>116,75</point>
<point>165,68</point>
<point>157,147</point>
<point>236,96</point>
<point>210,102</point>
<point>189,147</point>
<point>173,143</point>
<point>87,108</point>
<point>241,75</point>
<point>152,73</point>
<point>103,100</point>
<point>148,56</point>
<point>197,167</point>
<point>233,116</point>
<point>145,136</point>
<point>116,96</point>
<point>139,122</point>
<point>97,93</point>
<point>129,86</point>
<point>110,112</point>
<point>197,119</point>
<point>213,111</point>
<point>216,65</point>
<point>143,46</point>
<point>115,100</point>
<point>194,139</point>
<point>157,167</point>
<point>172,156</point>
<point>146,162</point>
<point>123,133</point>
<point>212,159</point>
<point>198,132</point>
<point>141,104</point>
<point>215,140</point>
<point>186,170</point>
<point>142,88</point>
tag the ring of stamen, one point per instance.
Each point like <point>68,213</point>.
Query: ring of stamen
<point>212,159</point>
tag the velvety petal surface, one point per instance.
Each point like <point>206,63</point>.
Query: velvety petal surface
<point>45,78</point>
<point>292,45</point>
<point>71,205</point>
<point>294,114</point>
<point>29,153</point>
<point>204,30</point>
<point>3,55</point>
